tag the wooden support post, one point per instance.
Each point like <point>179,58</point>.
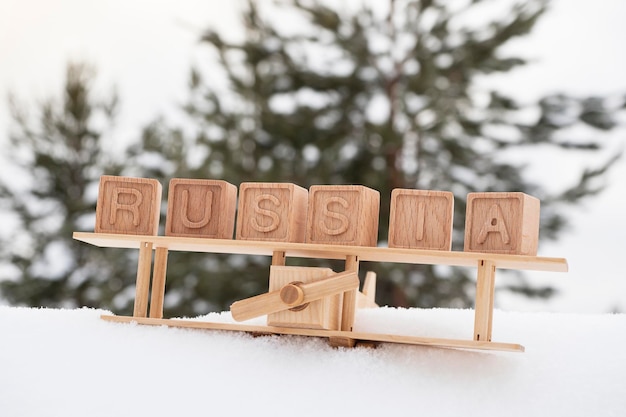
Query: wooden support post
<point>483,313</point>
<point>349,297</point>
<point>278,258</point>
<point>158,283</point>
<point>142,290</point>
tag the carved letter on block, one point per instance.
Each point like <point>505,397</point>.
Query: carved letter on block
<point>201,208</point>
<point>128,205</point>
<point>319,314</point>
<point>502,223</point>
<point>421,219</point>
<point>272,211</point>
<point>343,215</point>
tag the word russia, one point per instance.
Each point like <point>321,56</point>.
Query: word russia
<point>325,214</point>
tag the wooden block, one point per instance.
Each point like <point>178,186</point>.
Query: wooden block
<point>324,313</point>
<point>272,211</point>
<point>502,223</point>
<point>295,295</point>
<point>343,215</point>
<point>421,219</point>
<point>128,205</point>
<point>201,208</point>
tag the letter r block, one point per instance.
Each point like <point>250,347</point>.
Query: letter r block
<point>421,219</point>
<point>271,211</point>
<point>201,208</point>
<point>128,205</point>
<point>343,215</point>
<point>502,223</point>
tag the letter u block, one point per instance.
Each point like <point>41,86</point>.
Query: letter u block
<point>272,211</point>
<point>201,208</point>
<point>128,205</point>
<point>421,219</point>
<point>343,215</point>
<point>502,223</point>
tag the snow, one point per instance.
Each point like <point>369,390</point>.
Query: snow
<point>71,363</point>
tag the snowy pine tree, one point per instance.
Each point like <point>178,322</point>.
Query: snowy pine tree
<point>56,158</point>
<point>384,95</point>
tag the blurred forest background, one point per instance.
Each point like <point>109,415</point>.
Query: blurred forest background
<point>310,93</point>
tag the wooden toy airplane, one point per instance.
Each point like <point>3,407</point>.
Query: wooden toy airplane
<point>283,220</point>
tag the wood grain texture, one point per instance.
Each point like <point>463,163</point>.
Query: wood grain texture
<point>158,283</point>
<point>128,205</point>
<point>483,309</point>
<point>142,287</point>
<point>315,302</point>
<point>256,306</point>
<point>421,219</point>
<point>201,208</point>
<point>357,336</point>
<point>272,212</point>
<point>325,251</point>
<point>366,298</point>
<point>320,291</point>
<point>343,215</point>
<point>348,309</point>
<point>502,223</point>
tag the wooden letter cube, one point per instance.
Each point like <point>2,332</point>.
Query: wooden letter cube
<point>343,215</point>
<point>128,205</point>
<point>272,211</point>
<point>421,219</point>
<point>502,223</point>
<point>324,313</point>
<point>201,208</point>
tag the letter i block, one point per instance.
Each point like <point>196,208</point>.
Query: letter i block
<point>502,223</point>
<point>343,215</point>
<point>271,211</point>
<point>201,208</point>
<point>421,219</point>
<point>128,205</point>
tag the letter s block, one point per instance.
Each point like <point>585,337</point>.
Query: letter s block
<point>343,215</point>
<point>271,211</point>
<point>128,205</point>
<point>201,208</point>
<point>502,223</point>
<point>421,219</point>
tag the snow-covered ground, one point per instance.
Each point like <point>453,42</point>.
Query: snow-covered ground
<point>71,363</point>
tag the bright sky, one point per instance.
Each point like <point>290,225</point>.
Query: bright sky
<point>146,48</point>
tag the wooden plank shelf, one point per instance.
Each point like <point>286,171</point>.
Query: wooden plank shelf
<point>305,250</point>
<point>352,336</point>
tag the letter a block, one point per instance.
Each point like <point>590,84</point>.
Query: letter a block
<point>272,211</point>
<point>502,223</point>
<point>421,219</point>
<point>343,215</point>
<point>201,208</point>
<point>128,205</point>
